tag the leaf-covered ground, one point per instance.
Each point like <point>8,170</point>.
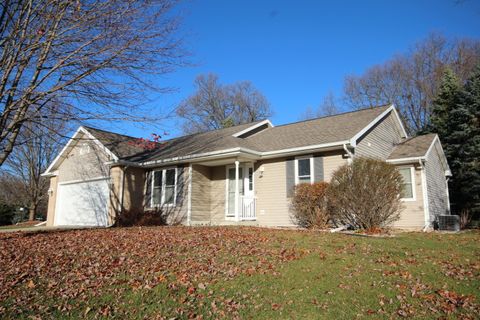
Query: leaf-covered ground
<point>180,272</point>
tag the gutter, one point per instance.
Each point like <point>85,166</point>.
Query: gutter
<point>257,155</point>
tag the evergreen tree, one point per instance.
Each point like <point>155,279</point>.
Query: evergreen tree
<point>470,167</point>
<point>455,117</point>
<point>447,99</point>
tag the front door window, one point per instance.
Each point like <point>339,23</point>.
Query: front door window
<point>231,189</point>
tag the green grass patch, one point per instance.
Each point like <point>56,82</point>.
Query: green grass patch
<point>246,273</point>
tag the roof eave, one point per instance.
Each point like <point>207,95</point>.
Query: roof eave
<point>248,153</point>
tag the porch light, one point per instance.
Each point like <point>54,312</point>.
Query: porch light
<point>261,169</point>
<point>50,192</point>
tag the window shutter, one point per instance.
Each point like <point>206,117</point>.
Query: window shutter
<point>318,169</point>
<point>180,185</point>
<point>148,189</point>
<point>290,165</point>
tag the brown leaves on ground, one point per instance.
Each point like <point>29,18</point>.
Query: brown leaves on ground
<point>62,266</point>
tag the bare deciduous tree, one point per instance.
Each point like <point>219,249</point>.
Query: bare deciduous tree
<point>10,192</point>
<point>411,81</point>
<point>37,147</point>
<point>328,107</point>
<point>96,57</point>
<point>214,106</point>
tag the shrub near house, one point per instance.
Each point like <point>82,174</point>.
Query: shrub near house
<point>309,205</point>
<point>365,194</point>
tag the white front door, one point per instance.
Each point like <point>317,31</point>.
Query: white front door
<point>231,189</point>
<point>245,188</point>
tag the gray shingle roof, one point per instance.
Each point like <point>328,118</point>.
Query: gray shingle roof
<point>196,143</point>
<point>413,147</point>
<point>299,134</point>
<point>316,131</point>
<point>121,145</point>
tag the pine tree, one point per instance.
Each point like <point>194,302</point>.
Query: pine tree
<point>448,97</point>
<point>470,166</point>
<point>455,117</point>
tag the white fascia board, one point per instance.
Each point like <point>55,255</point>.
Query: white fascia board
<point>65,148</point>
<point>353,141</point>
<point>71,143</point>
<point>405,160</point>
<point>400,121</point>
<point>255,126</point>
<point>431,146</point>
<point>290,151</point>
<point>204,156</point>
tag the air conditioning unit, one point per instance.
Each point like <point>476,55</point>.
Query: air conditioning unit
<point>449,222</point>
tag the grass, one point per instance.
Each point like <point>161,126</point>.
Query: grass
<point>246,273</point>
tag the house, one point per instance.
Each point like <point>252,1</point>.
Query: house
<point>240,175</point>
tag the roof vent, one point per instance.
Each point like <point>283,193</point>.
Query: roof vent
<point>250,131</point>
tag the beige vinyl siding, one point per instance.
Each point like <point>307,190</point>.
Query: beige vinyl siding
<point>379,141</point>
<point>218,186</point>
<point>115,190</point>
<point>77,166</point>
<point>331,162</point>
<point>52,200</point>
<point>133,180</point>
<point>436,183</point>
<point>200,193</point>
<point>134,188</point>
<point>413,213</point>
<point>271,193</point>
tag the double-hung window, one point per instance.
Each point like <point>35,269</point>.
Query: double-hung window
<point>164,187</point>
<point>408,192</point>
<point>304,170</point>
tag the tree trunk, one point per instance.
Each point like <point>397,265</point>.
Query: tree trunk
<point>31,212</point>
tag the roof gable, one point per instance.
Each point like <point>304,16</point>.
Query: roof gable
<point>339,129</point>
<point>416,147</point>
<point>74,140</point>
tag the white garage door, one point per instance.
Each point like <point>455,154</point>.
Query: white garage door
<point>82,203</point>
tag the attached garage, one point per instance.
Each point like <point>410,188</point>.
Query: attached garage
<point>83,203</point>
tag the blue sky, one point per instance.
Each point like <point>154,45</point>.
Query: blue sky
<point>295,52</point>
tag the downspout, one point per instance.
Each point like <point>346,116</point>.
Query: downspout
<point>122,189</point>
<point>448,195</point>
<point>189,203</point>
<point>425,196</point>
<point>349,153</point>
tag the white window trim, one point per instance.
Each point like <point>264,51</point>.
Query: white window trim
<point>162,196</point>
<point>312,174</point>
<point>412,177</point>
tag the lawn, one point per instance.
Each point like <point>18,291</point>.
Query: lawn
<point>180,272</point>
